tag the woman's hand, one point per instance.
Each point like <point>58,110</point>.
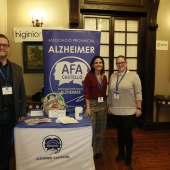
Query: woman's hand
<point>87,112</point>
<point>138,112</point>
<point>108,110</point>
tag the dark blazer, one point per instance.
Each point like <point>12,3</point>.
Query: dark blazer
<point>18,90</point>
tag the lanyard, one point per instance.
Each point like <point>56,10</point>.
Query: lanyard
<point>118,82</point>
<point>99,83</point>
<point>7,74</point>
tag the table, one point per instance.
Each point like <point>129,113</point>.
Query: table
<point>54,146</point>
<point>161,101</point>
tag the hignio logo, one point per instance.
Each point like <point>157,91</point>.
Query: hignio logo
<point>52,144</point>
<point>69,69</point>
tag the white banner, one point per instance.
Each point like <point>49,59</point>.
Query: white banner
<point>30,33</point>
<point>54,148</point>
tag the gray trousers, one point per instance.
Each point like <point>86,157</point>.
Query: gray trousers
<point>98,116</point>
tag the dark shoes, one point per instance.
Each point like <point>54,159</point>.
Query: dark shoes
<point>128,161</point>
<point>99,155</point>
<point>119,157</point>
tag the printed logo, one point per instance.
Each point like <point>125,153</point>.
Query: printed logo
<point>52,144</point>
<point>66,71</point>
<point>80,114</point>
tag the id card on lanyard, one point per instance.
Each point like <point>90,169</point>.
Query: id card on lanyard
<point>100,99</point>
<point>6,89</point>
<point>116,93</point>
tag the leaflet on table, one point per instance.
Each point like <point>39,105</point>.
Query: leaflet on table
<point>36,113</point>
<point>66,120</point>
<point>37,121</point>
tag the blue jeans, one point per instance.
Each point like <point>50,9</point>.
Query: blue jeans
<point>7,122</point>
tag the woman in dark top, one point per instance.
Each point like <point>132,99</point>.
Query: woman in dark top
<point>95,85</point>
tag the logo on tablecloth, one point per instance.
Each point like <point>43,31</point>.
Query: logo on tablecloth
<point>52,144</point>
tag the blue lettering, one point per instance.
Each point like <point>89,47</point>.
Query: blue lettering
<point>65,69</point>
<point>79,69</point>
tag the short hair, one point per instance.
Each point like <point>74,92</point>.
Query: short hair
<point>3,36</point>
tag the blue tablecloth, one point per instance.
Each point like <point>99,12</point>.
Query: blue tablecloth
<point>82,123</point>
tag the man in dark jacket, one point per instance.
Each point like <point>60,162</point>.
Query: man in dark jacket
<point>12,101</point>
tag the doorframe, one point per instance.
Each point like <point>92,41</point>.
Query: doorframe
<point>148,12</point>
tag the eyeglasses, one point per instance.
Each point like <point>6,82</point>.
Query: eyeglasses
<point>121,63</point>
<point>4,45</point>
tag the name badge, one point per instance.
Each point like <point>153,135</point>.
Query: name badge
<point>116,95</point>
<point>6,90</point>
<point>100,99</point>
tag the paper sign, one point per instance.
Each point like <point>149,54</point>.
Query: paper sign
<point>161,45</point>
<point>36,113</point>
<point>56,113</point>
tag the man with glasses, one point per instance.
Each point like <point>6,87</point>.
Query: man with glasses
<point>12,101</point>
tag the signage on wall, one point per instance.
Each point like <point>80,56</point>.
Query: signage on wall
<point>30,33</point>
<point>161,45</point>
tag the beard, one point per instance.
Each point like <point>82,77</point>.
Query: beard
<point>3,56</point>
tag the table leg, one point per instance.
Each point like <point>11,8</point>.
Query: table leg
<point>157,117</point>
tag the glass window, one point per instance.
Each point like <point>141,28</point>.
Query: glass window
<point>119,25</point>
<point>124,35</point>
<point>104,50</point>
<point>103,24</point>
<point>119,38</point>
<point>126,41</point>
<point>132,38</point>
<point>90,23</point>
<point>104,38</point>
<point>106,63</point>
<point>131,51</point>
<point>132,63</point>
<point>119,50</point>
<point>132,25</point>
